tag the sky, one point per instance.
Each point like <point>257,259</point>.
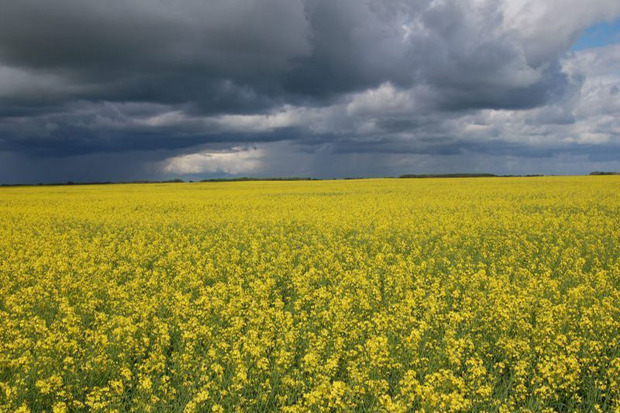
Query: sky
<point>151,89</point>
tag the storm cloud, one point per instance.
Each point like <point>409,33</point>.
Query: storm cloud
<point>141,89</point>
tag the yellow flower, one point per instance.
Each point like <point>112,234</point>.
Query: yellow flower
<point>384,294</point>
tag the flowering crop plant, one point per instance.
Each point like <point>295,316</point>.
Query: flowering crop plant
<point>396,295</point>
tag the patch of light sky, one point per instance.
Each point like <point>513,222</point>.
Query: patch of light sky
<point>599,35</point>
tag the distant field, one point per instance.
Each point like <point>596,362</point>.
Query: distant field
<point>483,294</point>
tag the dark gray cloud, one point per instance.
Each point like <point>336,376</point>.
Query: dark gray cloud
<point>247,54</point>
<point>319,78</point>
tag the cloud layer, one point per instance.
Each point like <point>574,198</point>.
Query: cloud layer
<point>145,88</point>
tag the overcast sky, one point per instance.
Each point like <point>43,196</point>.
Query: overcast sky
<point>159,89</point>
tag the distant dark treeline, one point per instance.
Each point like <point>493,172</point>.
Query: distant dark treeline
<point>409,176</point>
<point>293,178</point>
<point>170,181</point>
<point>247,178</point>
<point>449,176</point>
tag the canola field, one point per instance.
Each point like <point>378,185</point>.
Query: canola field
<point>498,294</point>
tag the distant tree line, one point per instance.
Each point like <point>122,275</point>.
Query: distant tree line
<point>248,178</point>
<point>461,175</point>
<point>294,178</point>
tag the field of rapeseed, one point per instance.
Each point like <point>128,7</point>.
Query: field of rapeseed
<point>498,294</point>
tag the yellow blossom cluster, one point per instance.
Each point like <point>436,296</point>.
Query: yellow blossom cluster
<point>485,294</point>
